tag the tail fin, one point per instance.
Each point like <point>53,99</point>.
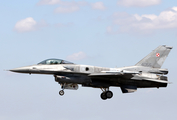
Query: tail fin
<point>156,58</point>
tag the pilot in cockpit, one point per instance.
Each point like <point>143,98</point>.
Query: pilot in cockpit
<point>54,61</point>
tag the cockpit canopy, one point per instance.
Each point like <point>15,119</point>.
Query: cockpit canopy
<point>54,61</point>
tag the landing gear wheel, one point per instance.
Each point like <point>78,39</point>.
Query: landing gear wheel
<point>108,94</point>
<point>103,96</point>
<point>61,92</point>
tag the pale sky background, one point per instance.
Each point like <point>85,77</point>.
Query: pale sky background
<point>107,33</point>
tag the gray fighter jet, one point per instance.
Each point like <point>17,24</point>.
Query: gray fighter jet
<point>146,73</point>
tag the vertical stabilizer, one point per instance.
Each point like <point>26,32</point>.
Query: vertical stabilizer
<point>156,58</point>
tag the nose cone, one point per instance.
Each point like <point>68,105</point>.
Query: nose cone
<point>21,70</point>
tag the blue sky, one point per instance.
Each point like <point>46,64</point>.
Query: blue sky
<point>104,33</point>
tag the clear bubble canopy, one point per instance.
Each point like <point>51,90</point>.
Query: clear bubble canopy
<point>54,61</point>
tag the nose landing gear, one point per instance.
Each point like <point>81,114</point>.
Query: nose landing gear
<point>106,94</point>
<point>61,92</point>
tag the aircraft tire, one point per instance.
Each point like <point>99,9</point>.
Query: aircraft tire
<point>103,96</point>
<point>61,92</point>
<point>108,94</point>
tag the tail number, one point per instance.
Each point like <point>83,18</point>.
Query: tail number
<point>147,64</point>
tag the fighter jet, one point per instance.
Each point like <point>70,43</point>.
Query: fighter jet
<point>147,73</point>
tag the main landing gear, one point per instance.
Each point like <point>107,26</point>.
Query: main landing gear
<point>106,94</point>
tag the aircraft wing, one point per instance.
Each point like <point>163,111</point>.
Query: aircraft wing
<point>159,81</point>
<point>113,74</point>
<point>104,74</point>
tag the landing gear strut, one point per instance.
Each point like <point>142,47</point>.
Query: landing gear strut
<point>106,94</point>
<point>61,92</point>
